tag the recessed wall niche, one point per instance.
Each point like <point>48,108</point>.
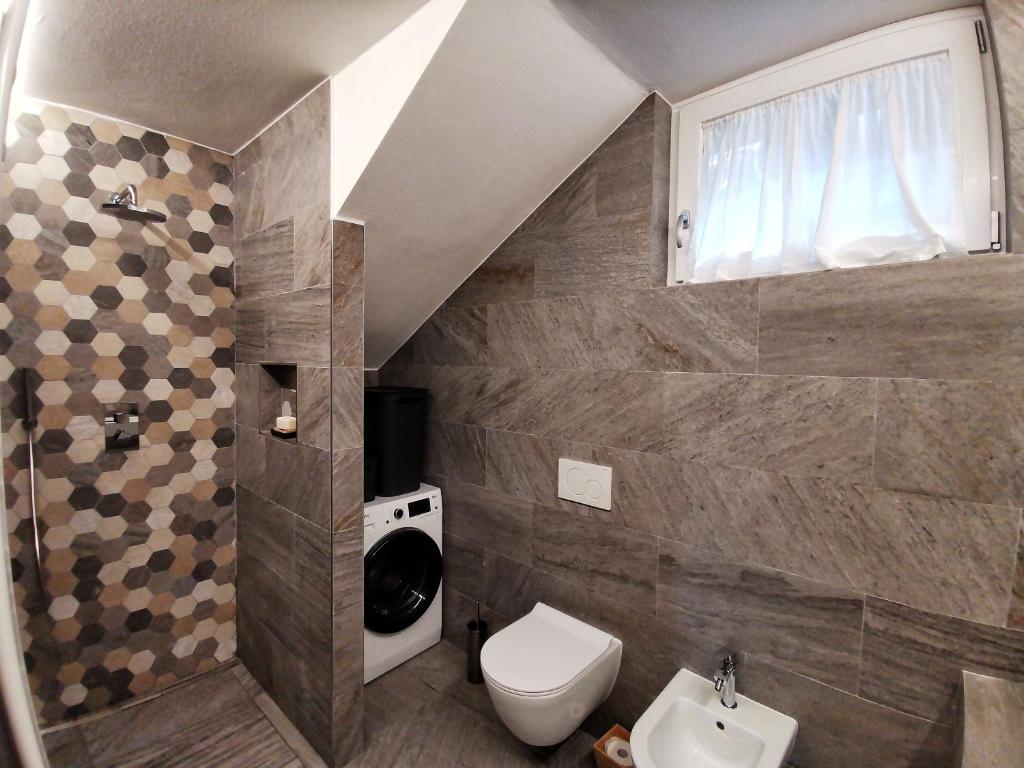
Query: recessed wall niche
<point>278,394</point>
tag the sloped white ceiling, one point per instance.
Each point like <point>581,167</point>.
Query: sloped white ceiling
<point>513,100</point>
<point>681,48</point>
<point>368,94</point>
<point>211,71</point>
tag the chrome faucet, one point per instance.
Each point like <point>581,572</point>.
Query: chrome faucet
<point>725,682</point>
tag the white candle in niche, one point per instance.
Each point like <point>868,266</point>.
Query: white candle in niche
<point>285,423</point>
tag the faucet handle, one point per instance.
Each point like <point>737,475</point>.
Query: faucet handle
<point>724,672</point>
<point>725,682</point>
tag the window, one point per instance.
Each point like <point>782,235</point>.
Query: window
<point>872,151</point>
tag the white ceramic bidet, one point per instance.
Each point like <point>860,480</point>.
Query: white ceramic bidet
<point>687,726</point>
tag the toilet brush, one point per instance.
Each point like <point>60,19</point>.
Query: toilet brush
<point>475,638</point>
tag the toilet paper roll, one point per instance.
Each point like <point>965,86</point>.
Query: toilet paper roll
<point>618,751</point>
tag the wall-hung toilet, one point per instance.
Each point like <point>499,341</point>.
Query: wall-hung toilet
<point>547,672</point>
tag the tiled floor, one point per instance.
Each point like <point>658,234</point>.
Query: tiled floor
<point>221,719</point>
<point>423,713</point>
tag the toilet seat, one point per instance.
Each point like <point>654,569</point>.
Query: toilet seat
<point>538,694</point>
<point>542,653</point>
<point>547,672</point>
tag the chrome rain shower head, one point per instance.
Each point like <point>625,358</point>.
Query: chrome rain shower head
<point>125,205</point>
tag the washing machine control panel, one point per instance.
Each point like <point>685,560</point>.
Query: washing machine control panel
<point>421,506</point>
<point>385,512</point>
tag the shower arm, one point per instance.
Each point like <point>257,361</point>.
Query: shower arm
<point>29,423</point>
<point>129,195</point>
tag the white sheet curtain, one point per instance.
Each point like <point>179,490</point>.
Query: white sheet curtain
<point>862,170</point>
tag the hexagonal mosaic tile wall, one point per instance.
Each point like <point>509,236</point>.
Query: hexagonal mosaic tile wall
<point>138,548</point>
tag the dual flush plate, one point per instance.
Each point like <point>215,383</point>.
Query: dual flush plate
<point>585,483</point>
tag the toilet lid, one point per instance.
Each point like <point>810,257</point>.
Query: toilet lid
<point>543,651</point>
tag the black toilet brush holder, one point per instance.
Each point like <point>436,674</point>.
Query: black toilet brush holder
<point>476,635</point>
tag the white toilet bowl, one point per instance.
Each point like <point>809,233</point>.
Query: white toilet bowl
<point>547,672</point>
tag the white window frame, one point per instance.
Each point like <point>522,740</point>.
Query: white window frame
<point>976,110</point>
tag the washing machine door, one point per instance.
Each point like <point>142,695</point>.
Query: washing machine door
<point>402,573</point>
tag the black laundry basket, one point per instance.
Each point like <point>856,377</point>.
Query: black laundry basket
<point>394,437</point>
<point>369,478</point>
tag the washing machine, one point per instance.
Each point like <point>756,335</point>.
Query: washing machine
<point>402,578</point>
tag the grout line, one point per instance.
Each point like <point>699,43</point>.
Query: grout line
<point>487,456</point>
<point>757,333</point>
<point>1016,561</point>
<point>663,371</point>
<point>775,664</point>
<point>874,436</point>
<point>243,300</point>
<point>657,572</point>
<point>860,650</point>
<point>678,372</point>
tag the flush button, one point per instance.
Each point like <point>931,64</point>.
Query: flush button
<point>576,481</point>
<point>585,483</point>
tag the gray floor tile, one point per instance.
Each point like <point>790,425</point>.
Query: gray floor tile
<point>210,721</point>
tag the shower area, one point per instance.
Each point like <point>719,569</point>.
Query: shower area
<point>160,300</point>
<point>103,315</point>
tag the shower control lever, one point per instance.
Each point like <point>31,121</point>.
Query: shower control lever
<point>121,428</point>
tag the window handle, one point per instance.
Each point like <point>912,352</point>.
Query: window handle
<point>682,224</point>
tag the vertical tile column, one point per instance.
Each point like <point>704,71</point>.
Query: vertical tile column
<point>347,488</point>
<point>284,506</point>
<point>300,282</point>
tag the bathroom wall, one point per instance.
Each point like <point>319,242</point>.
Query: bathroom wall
<point>347,491</point>
<point>299,283</point>
<point>820,472</point>
<point>138,547</point>
<point>1006,21</point>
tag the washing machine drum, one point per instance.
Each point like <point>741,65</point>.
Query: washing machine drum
<point>402,574</point>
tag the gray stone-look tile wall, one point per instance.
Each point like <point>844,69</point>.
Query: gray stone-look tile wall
<point>1006,19</point>
<point>820,472</point>
<point>299,282</point>
<point>346,521</point>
